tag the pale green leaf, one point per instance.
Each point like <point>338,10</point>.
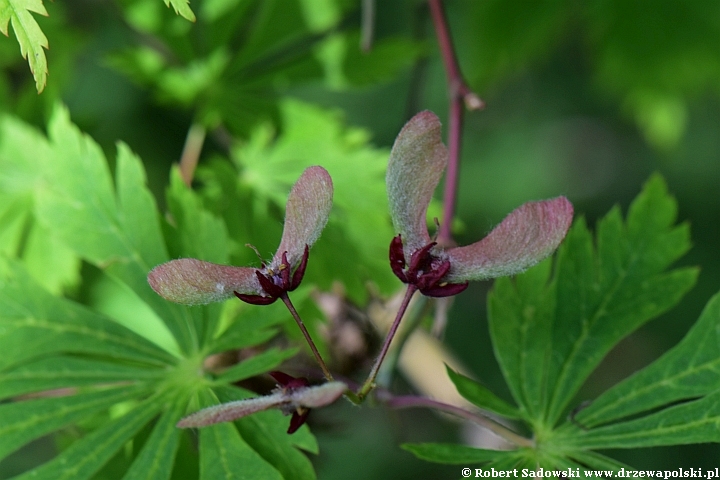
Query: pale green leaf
<point>155,460</point>
<point>23,154</point>
<point>260,363</point>
<point>266,433</point>
<point>28,33</point>
<point>358,227</point>
<point>63,371</point>
<point>34,323</point>
<point>116,229</point>
<point>224,454</point>
<point>182,8</point>
<point>21,422</point>
<point>88,455</point>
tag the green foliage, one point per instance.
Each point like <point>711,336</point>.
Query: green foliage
<point>353,247</point>
<point>23,156</point>
<point>96,364</point>
<point>28,33</point>
<point>551,327</point>
<point>132,388</point>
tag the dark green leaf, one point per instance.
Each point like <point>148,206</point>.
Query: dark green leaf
<point>690,370</point>
<point>251,325</point>
<point>521,317</point>
<point>596,298</point>
<point>692,422</point>
<point>480,396</point>
<point>604,296</point>
<point>597,461</point>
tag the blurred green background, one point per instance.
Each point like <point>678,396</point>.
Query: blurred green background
<point>584,99</point>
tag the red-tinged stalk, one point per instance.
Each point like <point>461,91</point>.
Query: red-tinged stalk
<point>460,94</point>
<point>410,401</point>
<point>286,300</point>
<point>370,382</point>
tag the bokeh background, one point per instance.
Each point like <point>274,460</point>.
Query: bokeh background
<point>584,99</point>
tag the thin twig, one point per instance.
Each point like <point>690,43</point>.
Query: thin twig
<point>417,312</point>
<point>286,300</point>
<point>459,93</point>
<point>410,401</point>
<point>370,382</point>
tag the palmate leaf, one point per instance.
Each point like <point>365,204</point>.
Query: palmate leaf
<point>28,33</point>
<point>36,324</point>
<point>88,455</point>
<point>65,364</point>
<point>23,153</point>
<point>551,327</point>
<point>688,372</point>
<point>113,227</point>
<point>548,337</point>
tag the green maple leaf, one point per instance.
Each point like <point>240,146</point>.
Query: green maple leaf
<point>129,372</point>
<point>29,35</point>
<point>551,327</point>
<point>182,8</point>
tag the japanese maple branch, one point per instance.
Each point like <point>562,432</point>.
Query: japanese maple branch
<point>286,300</point>
<point>411,401</point>
<point>459,93</point>
<point>370,382</point>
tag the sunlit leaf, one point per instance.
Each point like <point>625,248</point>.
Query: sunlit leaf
<point>28,33</point>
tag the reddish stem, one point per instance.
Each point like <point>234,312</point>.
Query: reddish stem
<point>370,382</point>
<point>459,93</point>
<point>286,300</point>
<point>410,401</point>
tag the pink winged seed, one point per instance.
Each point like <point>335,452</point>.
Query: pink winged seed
<point>306,213</point>
<point>417,161</point>
<point>192,282</point>
<point>525,237</point>
<point>307,397</point>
